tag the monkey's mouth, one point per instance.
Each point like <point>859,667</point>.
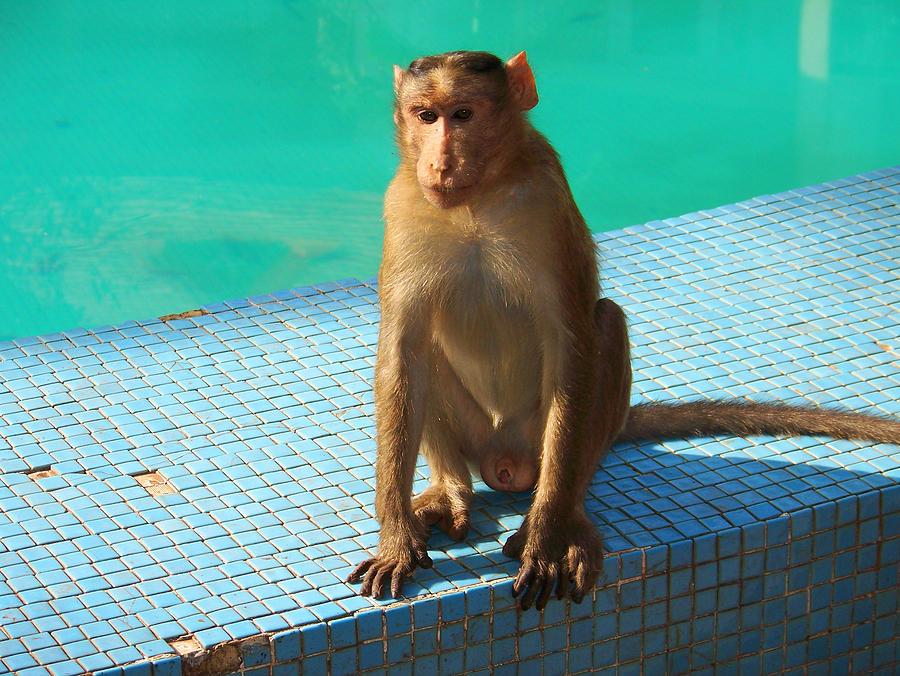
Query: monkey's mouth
<point>446,195</point>
<point>446,189</point>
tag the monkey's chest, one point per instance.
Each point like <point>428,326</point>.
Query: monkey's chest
<point>486,330</point>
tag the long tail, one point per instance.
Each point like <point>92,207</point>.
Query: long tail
<point>744,418</point>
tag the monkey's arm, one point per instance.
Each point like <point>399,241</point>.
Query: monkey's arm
<point>400,382</point>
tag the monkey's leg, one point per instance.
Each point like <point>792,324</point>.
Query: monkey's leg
<point>456,428</point>
<point>557,543</point>
<point>446,501</point>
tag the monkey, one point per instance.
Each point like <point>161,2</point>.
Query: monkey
<point>496,354</point>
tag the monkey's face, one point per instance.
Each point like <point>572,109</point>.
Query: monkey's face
<point>458,116</point>
<point>451,144</point>
<point>450,126</point>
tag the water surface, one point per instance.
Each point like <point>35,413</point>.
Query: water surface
<point>156,156</point>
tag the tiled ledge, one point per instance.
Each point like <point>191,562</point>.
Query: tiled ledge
<point>201,487</point>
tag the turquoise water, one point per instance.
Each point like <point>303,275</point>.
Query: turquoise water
<point>156,156</point>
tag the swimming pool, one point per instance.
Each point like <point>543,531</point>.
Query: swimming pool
<point>159,156</point>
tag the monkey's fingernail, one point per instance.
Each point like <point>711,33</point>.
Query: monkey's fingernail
<point>396,583</point>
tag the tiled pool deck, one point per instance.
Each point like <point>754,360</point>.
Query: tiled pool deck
<point>207,483</point>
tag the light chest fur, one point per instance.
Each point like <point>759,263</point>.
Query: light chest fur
<point>483,291</point>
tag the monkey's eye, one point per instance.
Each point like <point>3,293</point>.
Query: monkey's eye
<point>463,114</point>
<point>428,116</point>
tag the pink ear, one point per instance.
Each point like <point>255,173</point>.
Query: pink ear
<point>398,78</point>
<point>521,82</point>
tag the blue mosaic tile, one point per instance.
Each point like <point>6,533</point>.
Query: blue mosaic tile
<point>255,425</point>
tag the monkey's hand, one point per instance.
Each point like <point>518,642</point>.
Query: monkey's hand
<point>446,507</point>
<point>401,548</point>
<point>565,553</point>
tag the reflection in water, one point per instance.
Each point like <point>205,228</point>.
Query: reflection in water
<point>815,32</point>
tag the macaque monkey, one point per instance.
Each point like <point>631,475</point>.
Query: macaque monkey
<point>495,355</point>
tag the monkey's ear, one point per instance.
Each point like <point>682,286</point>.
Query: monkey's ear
<point>521,82</point>
<point>398,78</point>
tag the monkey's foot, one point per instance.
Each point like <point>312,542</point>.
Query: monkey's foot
<point>400,551</point>
<point>446,507</point>
<point>566,556</point>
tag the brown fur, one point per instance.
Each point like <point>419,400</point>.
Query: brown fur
<point>745,418</point>
<point>494,354</point>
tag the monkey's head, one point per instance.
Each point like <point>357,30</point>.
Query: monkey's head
<point>457,115</point>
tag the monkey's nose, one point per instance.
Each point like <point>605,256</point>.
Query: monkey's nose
<point>442,174</point>
<point>442,166</point>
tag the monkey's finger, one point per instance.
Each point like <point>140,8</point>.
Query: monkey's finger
<point>397,581</point>
<point>379,579</point>
<point>369,587</point>
<point>585,578</point>
<point>455,523</point>
<point>550,581</point>
<point>536,587</point>
<point>366,589</point>
<point>360,570</point>
<point>513,546</point>
<point>459,527</point>
<point>536,582</point>
<point>562,580</point>
<point>422,558</point>
<point>523,579</point>
<point>578,586</point>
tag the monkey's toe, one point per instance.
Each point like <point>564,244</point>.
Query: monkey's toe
<point>379,575</point>
<point>394,561</point>
<point>565,561</point>
<point>514,545</point>
<point>448,511</point>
